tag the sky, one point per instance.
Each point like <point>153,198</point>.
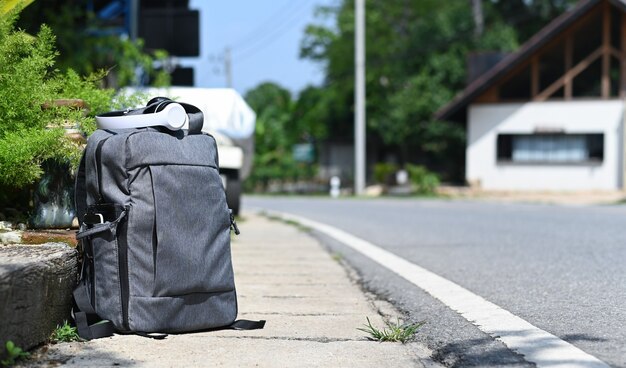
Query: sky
<point>264,37</point>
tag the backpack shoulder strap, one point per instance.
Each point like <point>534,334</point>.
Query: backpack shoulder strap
<point>244,324</point>
<point>80,191</point>
<point>84,312</point>
<point>81,181</point>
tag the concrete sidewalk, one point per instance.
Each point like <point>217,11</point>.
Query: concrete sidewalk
<point>283,275</point>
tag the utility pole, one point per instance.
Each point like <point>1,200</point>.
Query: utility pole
<point>132,19</point>
<point>228,68</point>
<point>479,19</point>
<point>359,98</point>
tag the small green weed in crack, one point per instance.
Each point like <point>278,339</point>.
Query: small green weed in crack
<point>291,222</point>
<point>271,217</point>
<point>395,332</point>
<point>65,333</point>
<point>14,354</point>
<point>297,225</point>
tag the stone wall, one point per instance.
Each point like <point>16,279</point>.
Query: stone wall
<point>36,283</point>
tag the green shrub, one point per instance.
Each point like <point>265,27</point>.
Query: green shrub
<point>384,171</point>
<point>14,354</point>
<point>29,132</point>
<point>395,332</point>
<point>424,181</point>
<point>65,333</point>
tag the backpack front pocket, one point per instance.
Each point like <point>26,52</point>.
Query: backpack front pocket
<point>192,231</point>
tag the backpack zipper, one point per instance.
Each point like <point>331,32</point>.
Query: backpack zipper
<point>122,242</point>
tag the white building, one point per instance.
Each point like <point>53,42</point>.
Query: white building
<point>551,115</point>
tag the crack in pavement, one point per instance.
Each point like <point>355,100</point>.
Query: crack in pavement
<point>323,340</point>
<point>296,314</point>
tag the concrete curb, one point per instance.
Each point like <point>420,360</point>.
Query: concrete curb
<point>36,283</point>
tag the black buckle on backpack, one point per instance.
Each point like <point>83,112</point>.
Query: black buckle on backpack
<point>103,212</point>
<point>93,218</point>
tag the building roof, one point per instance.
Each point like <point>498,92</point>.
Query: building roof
<point>455,109</point>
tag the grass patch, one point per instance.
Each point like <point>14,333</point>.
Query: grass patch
<point>394,332</point>
<point>65,333</point>
<point>14,354</point>
<point>50,236</point>
<point>298,225</point>
<point>271,217</point>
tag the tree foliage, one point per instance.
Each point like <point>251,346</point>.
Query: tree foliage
<point>86,46</point>
<point>527,17</point>
<point>416,53</point>
<point>280,125</point>
<point>31,126</point>
<point>415,63</point>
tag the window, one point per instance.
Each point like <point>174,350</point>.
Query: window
<point>550,148</point>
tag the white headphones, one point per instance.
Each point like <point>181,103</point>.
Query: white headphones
<point>172,116</point>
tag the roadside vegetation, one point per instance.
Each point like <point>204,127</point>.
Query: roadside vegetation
<point>48,99</point>
<point>64,333</point>
<point>418,179</point>
<point>14,354</point>
<point>416,55</point>
<point>394,332</point>
<point>290,222</point>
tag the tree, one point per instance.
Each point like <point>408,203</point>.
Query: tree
<point>415,63</point>
<point>86,48</point>
<point>281,124</point>
<point>528,16</point>
<point>31,124</point>
<point>310,113</point>
<point>273,134</point>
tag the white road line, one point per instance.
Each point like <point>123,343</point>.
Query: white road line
<point>537,345</point>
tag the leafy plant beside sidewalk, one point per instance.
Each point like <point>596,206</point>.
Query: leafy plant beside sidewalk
<point>64,333</point>
<point>394,332</point>
<point>42,110</point>
<point>384,172</point>
<point>31,124</point>
<point>14,354</point>
<point>425,182</point>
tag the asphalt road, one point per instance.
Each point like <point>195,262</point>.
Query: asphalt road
<point>561,268</point>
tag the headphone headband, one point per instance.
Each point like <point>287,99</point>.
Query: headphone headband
<point>160,111</point>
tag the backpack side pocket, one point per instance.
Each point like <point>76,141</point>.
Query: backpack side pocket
<point>99,233</point>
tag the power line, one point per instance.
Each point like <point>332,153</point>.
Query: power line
<point>269,37</point>
<point>251,36</point>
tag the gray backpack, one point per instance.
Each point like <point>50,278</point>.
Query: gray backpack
<point>154,232</point>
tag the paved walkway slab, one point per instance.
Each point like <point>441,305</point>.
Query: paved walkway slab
<point>311,305</point>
